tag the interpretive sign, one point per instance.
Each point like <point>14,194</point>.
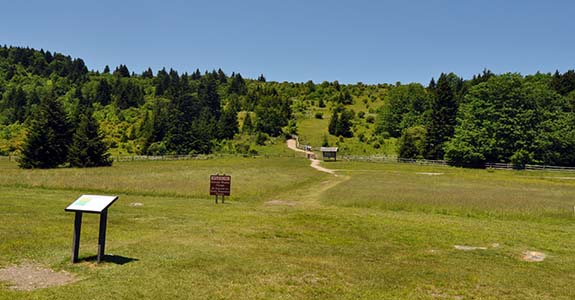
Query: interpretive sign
<point>220,185</point>
<point>90,204</point>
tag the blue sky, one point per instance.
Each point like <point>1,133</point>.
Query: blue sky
<point>349,41</point>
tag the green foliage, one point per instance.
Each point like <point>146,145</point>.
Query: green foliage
<point>509,116</point>
<point>440,127</point>
<point>411,144</point>
<point>405,106</point>
<point>196,113</point>
<point>273,113</point>
<point>248,126</point>
<point>48,138</point>
<point>88,148</point>
<point>341,122</point>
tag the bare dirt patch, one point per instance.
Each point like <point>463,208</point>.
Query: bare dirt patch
<point>429,173</point>
<point>281,202</point>
<point>533,256</point>
<point>29,276</point>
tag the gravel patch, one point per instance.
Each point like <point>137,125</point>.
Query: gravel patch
<point>29,277</point>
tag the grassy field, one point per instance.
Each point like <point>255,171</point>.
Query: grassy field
<point>377,231</point>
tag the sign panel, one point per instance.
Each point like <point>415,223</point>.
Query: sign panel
<point>91,203</point>
<point>220,185</point>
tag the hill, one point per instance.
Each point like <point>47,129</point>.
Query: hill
<point>489,118</point>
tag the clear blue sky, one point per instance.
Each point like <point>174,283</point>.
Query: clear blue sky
<point>350,41</point>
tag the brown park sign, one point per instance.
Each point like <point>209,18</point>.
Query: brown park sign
<point>220,185</point>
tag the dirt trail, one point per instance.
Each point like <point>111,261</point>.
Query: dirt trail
<point>307,196</point>
<point>292,144</point>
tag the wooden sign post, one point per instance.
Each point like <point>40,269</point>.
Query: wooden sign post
<point>220,185</point>
<point>90,204</point>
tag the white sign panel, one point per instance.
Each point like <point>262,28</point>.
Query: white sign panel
<point>92,203</point>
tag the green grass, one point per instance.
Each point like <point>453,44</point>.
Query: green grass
<point>380,231</point>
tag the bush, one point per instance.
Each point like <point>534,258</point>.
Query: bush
<point>157,148</point>
<point>319,115</point>
<point>261,138</point>
<point>411,143</point>
<point>370,119</point>
<point>521,158</point>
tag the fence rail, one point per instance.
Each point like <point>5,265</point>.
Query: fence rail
<point>359,158</point>
<point>497,166</point>
<point>126,158</point>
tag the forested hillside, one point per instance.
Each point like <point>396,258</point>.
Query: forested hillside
<point>489,118</point>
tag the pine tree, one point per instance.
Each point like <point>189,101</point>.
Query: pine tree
<point>228,124</point>
<point>48,138</point>
<point>248,126</point>
<point>344,124</point>
<point>442,122</point>
<point>148,73</point>
<point>106,70</point>
<point>88,148</point>
<point>333,123</point>
<point>103,92</point>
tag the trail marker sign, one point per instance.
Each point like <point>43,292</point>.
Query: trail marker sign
<point>94,204</point>
<point>220,185</point>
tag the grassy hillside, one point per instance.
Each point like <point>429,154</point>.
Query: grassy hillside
<point>377,231</point>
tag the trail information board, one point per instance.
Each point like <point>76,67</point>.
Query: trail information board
<point>95,204</point>
<point>220,185</point>
<point>91,203</point>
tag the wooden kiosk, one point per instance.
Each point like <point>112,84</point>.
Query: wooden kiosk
<point>329,153</point>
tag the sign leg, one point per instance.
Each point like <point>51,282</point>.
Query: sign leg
<point>223,199</point>
<point>76,238</point>
<point>102,236</point>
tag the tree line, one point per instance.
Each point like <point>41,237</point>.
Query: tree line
<point>507,118</point>
<point>147,113</point>
<point>488,118</point>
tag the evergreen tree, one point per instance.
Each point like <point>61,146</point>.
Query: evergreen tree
<point>332,127</point>
<point>48,138</point>
<point>103,92</point>
<point>179,137</point>
<point>106,70</point>
<point>228,124</point>
<point>148,73</point>
<point>443,117</point>
<point>237,85</point>
<point>344,124</point>
<point>88,148</point>
<point>222,78</point>
<point>261,78</point>
<point>122,71</point>
<point>248,126</point>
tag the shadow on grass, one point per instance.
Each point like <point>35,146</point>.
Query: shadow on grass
<point>115,259</point>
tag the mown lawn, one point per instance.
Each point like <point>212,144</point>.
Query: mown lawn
<point>379,231</point>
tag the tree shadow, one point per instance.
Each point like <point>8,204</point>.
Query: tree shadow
<point>115,259</point>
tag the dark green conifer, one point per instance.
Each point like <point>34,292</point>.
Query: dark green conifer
<point>88,148</point>
<point>48,138</point>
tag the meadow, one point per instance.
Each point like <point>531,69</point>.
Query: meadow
<point>375,231</point>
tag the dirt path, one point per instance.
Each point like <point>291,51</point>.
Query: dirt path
<point>292,144</point>
<point>307,196</point>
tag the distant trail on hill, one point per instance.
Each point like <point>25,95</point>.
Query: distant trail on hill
<point>292,144</point>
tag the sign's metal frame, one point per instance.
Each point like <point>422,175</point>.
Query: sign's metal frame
<point>82,205</point>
